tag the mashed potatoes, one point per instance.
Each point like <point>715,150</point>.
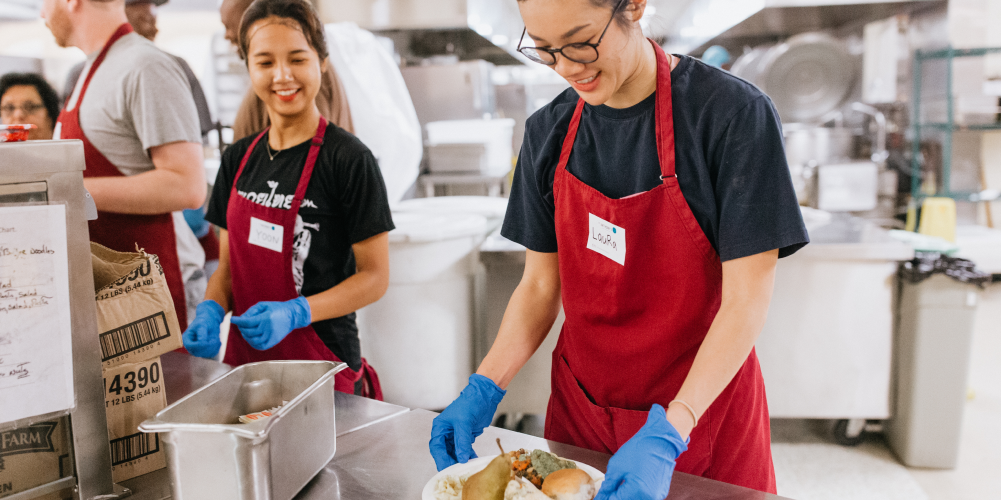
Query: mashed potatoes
<point>449,488</point>
<point>522,489</point>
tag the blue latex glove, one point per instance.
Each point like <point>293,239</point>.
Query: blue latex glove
<point>453,432</point>
<point>202,336</point>
<point>643,466</point>
<point>266,323</point>
<point>195,217</point>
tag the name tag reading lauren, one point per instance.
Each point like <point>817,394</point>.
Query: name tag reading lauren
<point>265,234</point>
<point>606,238</point>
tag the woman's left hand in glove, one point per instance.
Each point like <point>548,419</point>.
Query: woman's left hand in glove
<point>643,466</point>
<point>266,324</point>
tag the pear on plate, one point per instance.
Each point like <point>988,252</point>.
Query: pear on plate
<point>489,483</point>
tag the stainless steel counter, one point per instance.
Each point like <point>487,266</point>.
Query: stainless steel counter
<point>391,460</point>
<point>184,374</point>
<point>382,449</point>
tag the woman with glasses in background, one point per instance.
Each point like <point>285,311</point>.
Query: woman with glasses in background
<point>655,200</point>
<point>27,99</point>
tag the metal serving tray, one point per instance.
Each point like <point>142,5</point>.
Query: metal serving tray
<point>211,455</point>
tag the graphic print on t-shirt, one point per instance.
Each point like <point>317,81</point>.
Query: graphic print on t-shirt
<point>301,238</point>
<point>300,249</point>
<point>269,199</point>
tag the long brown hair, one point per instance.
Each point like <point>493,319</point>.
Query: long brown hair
<point>299,11</point>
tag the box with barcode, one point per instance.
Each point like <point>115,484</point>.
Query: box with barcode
<point>134,392</point>
<point>135,313</point>
<point>33,456</point>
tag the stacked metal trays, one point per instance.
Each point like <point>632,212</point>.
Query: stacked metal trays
<point>211,455</point>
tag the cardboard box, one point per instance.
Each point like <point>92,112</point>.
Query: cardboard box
<point>134,392</point>
<point>33,456</point>
<point>135,313</point>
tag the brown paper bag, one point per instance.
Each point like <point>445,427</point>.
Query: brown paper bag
<point>133,393</point>
<point>33,456</point>
<point>135,313</point>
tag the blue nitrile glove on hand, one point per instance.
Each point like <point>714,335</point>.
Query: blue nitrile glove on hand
<point>265,324</point>
<point>643,466</point>
<point>202,336</point>
<point>453,432</point>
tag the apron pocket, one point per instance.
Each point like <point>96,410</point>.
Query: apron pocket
<point>583,423</point>
<point>572,418</point>
<point>626,423</point>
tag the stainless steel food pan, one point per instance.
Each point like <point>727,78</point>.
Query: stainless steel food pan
<point>212,456</point>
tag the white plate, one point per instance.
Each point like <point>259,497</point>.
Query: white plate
<point>478,464</point>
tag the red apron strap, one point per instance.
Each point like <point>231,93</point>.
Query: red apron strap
<point>664,113</point>
<point>371,388</point>
<point>246,156</point>
<point>571,135</point>
<point>664,120</point>
<point>122,30</point>
<point>307,171</point>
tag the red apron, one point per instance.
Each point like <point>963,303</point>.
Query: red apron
<point>261,274</point>
<point>122,232</point>
<point>632,330</point>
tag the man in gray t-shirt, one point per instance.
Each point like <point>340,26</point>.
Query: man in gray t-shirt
<point>142,17</point>
<point>138,114</point>
<point>138,99</point>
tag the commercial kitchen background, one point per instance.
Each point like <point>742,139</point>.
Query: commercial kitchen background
<point>846,381</point>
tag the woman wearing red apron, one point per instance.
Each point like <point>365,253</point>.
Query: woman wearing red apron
<point>304,215</point>
<point>655,199</point>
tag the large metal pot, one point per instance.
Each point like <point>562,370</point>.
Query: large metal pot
<point>807,76</point>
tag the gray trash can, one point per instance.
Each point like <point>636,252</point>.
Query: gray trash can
<point>937,304</point>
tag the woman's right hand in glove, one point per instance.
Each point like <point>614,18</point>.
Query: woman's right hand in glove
<point>202,338</point>
<point>453,432</point>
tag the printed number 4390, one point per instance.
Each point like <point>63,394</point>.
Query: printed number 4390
<point>134,380</point>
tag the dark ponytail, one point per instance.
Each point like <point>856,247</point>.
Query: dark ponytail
<point>621,18</point>
<point>299,11</point>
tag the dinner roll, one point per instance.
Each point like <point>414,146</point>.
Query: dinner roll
<point>569,484</point>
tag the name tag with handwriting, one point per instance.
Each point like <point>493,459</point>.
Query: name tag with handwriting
<point>265,234</point>
<point>606,238</point>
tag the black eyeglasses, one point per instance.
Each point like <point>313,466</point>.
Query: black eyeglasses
<point>583,52</point>
<point>29,108</point>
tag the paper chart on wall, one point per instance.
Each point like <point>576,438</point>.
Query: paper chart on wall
<point>36,355</point>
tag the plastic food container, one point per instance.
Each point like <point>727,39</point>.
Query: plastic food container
<point>15,133</point>
<point>496,137</point>
<point>458,158</point>
<point>211,455</point>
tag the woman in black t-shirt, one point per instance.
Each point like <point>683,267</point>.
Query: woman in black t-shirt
<point>303,213</point>
<point>655,201</point>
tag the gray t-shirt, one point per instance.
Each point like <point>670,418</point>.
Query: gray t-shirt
<point>201,103</point>
<point>139,98</point>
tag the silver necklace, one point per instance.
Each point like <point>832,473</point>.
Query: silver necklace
<point>272,156</point>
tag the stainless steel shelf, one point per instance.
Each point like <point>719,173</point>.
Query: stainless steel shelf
<point>947,54</point>
<point>960,128</point>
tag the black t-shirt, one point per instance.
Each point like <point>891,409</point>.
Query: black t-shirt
<point>730,163</point>
<point>345,203</point>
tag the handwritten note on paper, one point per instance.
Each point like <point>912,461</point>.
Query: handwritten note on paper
<point>36,355</point>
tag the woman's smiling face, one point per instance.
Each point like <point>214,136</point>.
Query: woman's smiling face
<point>285,70</point>
<point>556,23</point>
